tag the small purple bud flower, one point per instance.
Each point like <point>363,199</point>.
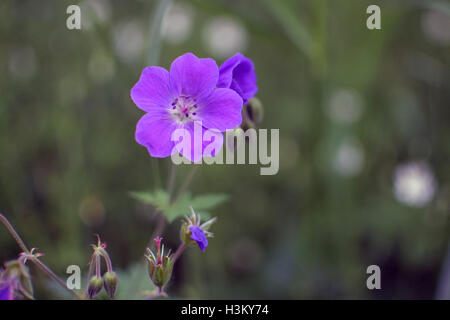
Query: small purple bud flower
<point>193,232</point>
<point>6,291</point>
<point>238,73</point>
<point>15,281</point>
<point>198,236</point>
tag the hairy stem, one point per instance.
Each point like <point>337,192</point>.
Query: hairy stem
<point>52,275</point>
<point>109,267</point>
<point>179,251</point>
<point>14,233</point>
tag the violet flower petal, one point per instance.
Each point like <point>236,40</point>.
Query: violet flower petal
<point>226,70</point>
<point>192,76</point>
<point>6,292</point>
<point>221,110</point>
<point>198,236</point>
<point>152,90</point>
<point>200,143</point>
<point>238,73</point>
<point>154,131</point>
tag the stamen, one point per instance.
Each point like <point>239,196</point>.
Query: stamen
<point>183,105</point>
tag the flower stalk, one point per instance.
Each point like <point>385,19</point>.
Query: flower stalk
<point>34,257</point>
<point>109,280</point>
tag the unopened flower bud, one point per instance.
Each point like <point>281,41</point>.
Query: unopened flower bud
<point>160,274</point>
<point>255,110</point>
<point>95,286</point>
<point>110,282</point>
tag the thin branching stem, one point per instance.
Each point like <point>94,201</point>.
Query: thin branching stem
<point>52,275</point>
<point>161,219</point>
<point>171,179</point>
<point>14,234</point>
<point>179,251</point>
<point>33,258</point>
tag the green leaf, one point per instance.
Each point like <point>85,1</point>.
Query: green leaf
<point>158,198</point>
<point>201,204</point>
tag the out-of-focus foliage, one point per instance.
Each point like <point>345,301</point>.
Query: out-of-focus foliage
<point>351,104</point>
<point>159,199</point>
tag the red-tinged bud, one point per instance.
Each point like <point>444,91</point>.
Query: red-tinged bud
<point>95,286</point>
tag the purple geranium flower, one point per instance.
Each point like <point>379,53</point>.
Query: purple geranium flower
<point>178,99</point>
<point>6,291</point>
<point>198,235</point>
<point>238,73</point>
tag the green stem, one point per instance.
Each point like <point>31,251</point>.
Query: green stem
<point>109,267</point>
<point>171,179</point>
<point>97,266</point>
<point>155,173</point>
<point>179,251</point>
<point>187,182</point>
<point>154,50</point>
<point>153,57</point>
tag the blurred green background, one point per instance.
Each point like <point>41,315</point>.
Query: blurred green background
<point>364,144</point>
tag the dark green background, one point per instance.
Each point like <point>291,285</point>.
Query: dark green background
<point>67,146</point>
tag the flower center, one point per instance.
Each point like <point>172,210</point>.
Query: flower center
<point>184,108</point>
